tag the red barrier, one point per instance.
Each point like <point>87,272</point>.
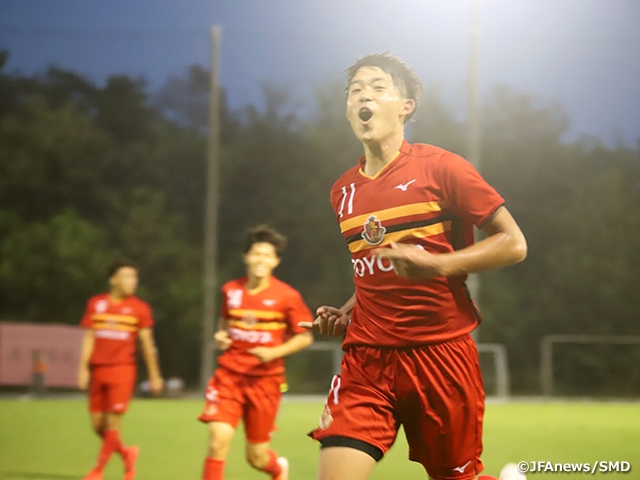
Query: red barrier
<point>30,351</point>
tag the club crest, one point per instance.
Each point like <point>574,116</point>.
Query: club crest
<point>373,232</point>
<point>249,319</point>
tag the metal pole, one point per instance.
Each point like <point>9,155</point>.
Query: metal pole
<point>546,365</point>
<point>211,215</point>
<point>473,140</point>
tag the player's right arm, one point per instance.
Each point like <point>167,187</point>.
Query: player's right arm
<point>221,337</point>
<point>85,355</point>
<point>332,321</point>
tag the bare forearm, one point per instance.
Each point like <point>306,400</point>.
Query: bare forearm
<point>150,355</point>
<point>86,349</point>
<point>496,251</point>
<point>293,345</point>
<point>505,244</point>
<point>223,324</point>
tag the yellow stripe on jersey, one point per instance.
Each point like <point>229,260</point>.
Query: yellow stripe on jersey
<point>259,314</point>
<point>395,212</point>
<point>103,325</point>
<point>116,317</point>
<point>258,326</point>
<point>420,232</point>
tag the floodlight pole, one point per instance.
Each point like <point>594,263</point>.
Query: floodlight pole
<point>473,140</point>
<point>211,215</point>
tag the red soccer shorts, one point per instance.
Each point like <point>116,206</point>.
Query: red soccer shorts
<point>111,388</point>
<point>233,396</point>
<point>434,391</point>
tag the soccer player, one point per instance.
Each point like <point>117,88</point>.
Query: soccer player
<point>114,321</point>
<point>258,327</point>
<point>407,213</point>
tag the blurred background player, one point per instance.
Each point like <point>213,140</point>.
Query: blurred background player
<point>114,321</point>
<point>407,213</point>
<point>258,328</point>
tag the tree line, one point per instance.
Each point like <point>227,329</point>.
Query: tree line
<point>90,173</point>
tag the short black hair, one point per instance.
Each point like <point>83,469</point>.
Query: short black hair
<point>403,76</point>
<point>265,234</point>
<point>118,264</point>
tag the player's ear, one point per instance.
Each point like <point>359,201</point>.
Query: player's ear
<point>408,106</point>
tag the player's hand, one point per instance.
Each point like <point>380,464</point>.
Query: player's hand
<point>83,378</point>
<point>412,261</point>
<point>264,354</point>
<point>222,339</point>
<point>330,321</point>
<point>156,384</point>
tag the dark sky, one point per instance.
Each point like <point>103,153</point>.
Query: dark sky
<point>583,53</point>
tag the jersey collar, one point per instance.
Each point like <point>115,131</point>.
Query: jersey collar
<point>403,149</point>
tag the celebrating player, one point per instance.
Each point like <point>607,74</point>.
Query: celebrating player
<point>114,321</point>
<point>407,213</point>
<point>258,327</point>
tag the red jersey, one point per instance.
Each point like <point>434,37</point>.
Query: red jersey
<point>264,318</point>
<point>115,326</point>
<point>425,196</point>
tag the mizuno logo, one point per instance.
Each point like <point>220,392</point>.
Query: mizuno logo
<point>463,467</point>
<point>404,186</point>
<point>269,303</point>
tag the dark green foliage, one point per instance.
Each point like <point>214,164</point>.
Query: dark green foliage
<point>89,173</point>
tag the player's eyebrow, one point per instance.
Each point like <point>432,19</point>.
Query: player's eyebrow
<point>372,81</point>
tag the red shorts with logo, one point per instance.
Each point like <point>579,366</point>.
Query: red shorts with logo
<point>434,391</point>
<point>232,396</point>
<point>111,388</point>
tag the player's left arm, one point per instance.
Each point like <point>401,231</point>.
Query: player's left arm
<point>150,354</point>
<point>293,345</point>
<point>504,245</point>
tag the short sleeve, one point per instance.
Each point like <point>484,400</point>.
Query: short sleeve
<point>297,311</point>
<point>146,316</point>
<point>468,194</point>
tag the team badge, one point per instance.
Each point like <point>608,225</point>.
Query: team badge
<point>326,419</point>
<point>373,232</point>
<point>249,319</point>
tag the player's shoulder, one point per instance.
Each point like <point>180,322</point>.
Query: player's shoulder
<point>426,151</point>
<point>435,157</point>
<point>97,298</point>
<point>284,288</point>
<point>138,303</point>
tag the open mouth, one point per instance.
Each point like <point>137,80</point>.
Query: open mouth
<point>365,114</point>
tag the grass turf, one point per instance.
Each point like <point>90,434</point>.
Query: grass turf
<point>51,439</point>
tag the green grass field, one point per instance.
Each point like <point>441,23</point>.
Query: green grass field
<point>50,439</point>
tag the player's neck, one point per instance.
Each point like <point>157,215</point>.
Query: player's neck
<point>255,284</point>
<point>377,155</point>
<point>116,296</point>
